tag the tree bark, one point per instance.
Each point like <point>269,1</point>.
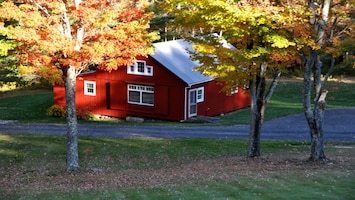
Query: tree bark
<point>314,117</point>
<point>255,124</point>
<point>258,104</point>
<point>72,134</point>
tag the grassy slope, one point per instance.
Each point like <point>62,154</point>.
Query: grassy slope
<point>31,167</point>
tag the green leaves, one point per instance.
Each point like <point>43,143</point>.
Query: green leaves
<point>5,46</point>
<point>278,41</point>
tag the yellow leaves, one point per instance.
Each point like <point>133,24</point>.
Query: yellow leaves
<point>109,65</point>
<point>278,41</point>
<point>9,10</point>
<point>254,53</point>
<point>204,48</point>
<point>26,70</point>
<point>260,31</point>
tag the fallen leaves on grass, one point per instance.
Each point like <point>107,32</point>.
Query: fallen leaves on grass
<point>51,178</point>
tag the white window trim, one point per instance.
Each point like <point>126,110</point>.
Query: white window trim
<point>200,94</point>
<point>141,89</point>
<point>86,92</point>
<point>148,70</point>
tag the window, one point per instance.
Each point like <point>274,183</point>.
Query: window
<point>200,94</point>
<point>140,68</point>
<point>140,94</point>
<point>235,90</point>
<point>90,88</point>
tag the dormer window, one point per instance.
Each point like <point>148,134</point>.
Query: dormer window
<point>140,68</point>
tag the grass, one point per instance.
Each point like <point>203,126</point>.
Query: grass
<point>287,100</point>
<point>32,167</point>
<point>30,107</point>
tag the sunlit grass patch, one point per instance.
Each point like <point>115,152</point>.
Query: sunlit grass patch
<point>34,168</point>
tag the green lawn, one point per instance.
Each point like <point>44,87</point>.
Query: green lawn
<point>32,167</point>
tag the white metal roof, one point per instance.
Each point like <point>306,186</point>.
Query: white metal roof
<point>175,57</point>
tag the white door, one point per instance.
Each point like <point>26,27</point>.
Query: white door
<point>192,103</point>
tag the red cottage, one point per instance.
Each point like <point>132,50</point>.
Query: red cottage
<point>162,85</point>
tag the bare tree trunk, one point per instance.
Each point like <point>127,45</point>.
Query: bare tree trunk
<point>314,117</point>
<point>72,134</point>
<point>255,124</point>
<point>258,104</point>
<point>257,107</point>
<point>313,66</point>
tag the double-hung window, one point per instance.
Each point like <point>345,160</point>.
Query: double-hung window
<point>140,68</point>
<point>141,95</point>
<point>90,88</point>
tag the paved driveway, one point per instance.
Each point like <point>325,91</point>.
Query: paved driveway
<point>339,126</point>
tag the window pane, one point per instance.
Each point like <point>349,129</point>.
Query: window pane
<point>149,89</point>
<point>90,87</point>
<point>134,96</point>
<point>148,98</point>
<point>149,70</point>
<point>193,109</point>
<point>140,66</point>
<point>193,96</point>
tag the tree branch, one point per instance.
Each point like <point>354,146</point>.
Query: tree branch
<point>44,10</point>
<point>307,85</point>
<point>272,86</point>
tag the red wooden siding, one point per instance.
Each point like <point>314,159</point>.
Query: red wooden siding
<point>217,102</point>
<point>111,97</point>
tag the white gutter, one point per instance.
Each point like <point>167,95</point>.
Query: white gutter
<point>186,102</point>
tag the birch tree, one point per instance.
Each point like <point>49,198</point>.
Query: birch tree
<point>59,39</point>
<point>332,25</point>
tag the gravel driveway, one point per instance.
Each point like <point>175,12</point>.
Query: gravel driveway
<point>339,126</point>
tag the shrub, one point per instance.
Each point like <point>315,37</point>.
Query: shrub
<point>56,111</point>
<point>84,112</point>
<point>90,116</point>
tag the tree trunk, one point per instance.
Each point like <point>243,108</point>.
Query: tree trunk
<point>258,104</point>
<point>315,124</point>
<point>72,134</point>
<point>255,129</point>
<point>257,91</point>
<point>317,142</point>
<point>257,115</point>
<point>314,117</point>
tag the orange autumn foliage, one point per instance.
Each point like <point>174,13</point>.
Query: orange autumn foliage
<point>55,34</point>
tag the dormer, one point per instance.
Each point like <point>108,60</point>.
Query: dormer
<point>140,68</point>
